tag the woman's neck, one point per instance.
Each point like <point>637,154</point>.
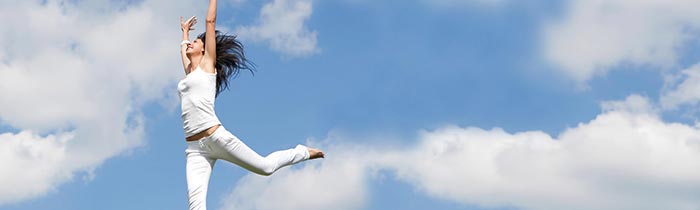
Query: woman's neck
<point>195,61</point>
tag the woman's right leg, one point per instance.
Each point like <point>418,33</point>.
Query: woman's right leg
<point>199,167</point>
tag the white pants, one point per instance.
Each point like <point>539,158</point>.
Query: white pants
<point>202,154</point>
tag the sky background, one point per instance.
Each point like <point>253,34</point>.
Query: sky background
<point>423,104</point>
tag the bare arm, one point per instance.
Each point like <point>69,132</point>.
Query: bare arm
<point>209,59</point>
<point>186,26</point>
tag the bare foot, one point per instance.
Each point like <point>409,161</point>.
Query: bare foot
<point>315,153</point>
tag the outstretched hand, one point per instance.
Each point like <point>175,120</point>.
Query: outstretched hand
<point>187,25</point>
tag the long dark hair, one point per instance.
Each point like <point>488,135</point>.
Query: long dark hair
<point>230,59</point>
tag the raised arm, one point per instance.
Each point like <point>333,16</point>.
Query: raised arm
<point>186,26</point>
<point>209,60</point>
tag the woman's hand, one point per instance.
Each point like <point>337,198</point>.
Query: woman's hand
<point>187,25</point>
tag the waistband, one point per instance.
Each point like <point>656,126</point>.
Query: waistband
<point>218,130</point>
<point>203,143</point>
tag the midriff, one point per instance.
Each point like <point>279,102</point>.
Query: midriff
<point>208,132</point>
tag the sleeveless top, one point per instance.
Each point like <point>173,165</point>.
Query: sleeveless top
<point>197,93</point>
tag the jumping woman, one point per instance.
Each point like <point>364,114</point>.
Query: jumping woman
<point>210,61</point>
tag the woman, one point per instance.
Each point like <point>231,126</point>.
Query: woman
<point>209,62</point>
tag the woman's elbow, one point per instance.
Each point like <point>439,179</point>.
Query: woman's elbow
<point>211,19</point>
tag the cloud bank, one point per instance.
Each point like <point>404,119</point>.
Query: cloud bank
<point>74,79</point>
<point>625,158</point>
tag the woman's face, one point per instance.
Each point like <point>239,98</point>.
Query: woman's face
<point>195,47</point>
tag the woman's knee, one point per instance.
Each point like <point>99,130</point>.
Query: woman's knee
<point>264,171</point>
<point>267,171</point>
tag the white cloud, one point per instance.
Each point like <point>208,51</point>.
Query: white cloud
<point>74,78</point>
<point>681,89</point>
<point>625,158</point>
<point>39,159</point>
<point>594,36</point>
<point>282,23</point>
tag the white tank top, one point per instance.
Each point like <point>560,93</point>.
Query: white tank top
<point>197,93</point>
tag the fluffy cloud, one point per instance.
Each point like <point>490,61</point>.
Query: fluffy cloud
<point>74,77</point>
<point>594,36</point>
<point>625,158</point>
<point>682,89</point>
<point>282,25</point>
<point>41,161</point>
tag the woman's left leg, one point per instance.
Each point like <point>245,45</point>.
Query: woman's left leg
<point>232,149</point>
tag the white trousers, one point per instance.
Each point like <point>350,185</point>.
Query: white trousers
<point>202,154</point>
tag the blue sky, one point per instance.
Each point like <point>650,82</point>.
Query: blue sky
<point>390,77</point>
